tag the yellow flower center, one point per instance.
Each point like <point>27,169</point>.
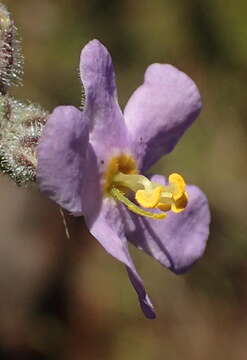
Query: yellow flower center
<point>121,181</point>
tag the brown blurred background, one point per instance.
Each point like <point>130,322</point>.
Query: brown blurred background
<point>67,299</point>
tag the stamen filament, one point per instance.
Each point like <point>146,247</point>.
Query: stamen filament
<point>118,195</point>
<point>133,182</point>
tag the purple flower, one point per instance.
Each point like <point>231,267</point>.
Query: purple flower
<point>92,164</point>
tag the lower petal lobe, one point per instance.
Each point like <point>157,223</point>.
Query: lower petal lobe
<point>178,241</point>
<point>108,228</point>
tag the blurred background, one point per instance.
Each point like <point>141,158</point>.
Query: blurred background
<point>67,299</point>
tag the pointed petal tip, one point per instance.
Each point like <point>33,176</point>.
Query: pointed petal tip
<point>96,71</point>
<point>94,46</point>
<point>147,308</point>
<point>93,42</point>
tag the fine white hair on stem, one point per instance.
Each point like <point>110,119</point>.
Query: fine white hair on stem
<point>11,58</point>
<point>66,228</point>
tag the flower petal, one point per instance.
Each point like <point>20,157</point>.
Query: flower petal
<point>62,156</point>
<point>159,112</point>
<point>107,128</point>
<point>178,241</point>
<point>107,227</point>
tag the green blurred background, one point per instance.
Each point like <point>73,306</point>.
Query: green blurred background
<point>62,299</point>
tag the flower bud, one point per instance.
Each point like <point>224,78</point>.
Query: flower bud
<point>21,125</point>
<point>11,59</point>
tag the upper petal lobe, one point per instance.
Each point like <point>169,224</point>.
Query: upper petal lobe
<point>108,132</point>
<point>159,111</point>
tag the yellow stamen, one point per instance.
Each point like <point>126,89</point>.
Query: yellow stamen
<point>121,178</point>
<point>149,198</point>
<point>180,204</point>
<point>179,185</point>
<point>164,207</point>
<point>118,195</point>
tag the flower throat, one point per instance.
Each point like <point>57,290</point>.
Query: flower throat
<point>123,183</point>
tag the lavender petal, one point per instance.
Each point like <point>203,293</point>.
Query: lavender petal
<point>159,112</point>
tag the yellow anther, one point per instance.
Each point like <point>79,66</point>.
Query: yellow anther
<point>118,195</point>
<point>149,198</point>
<point>164,207</point>
<point>179,186</point>
<point>180,204</point>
